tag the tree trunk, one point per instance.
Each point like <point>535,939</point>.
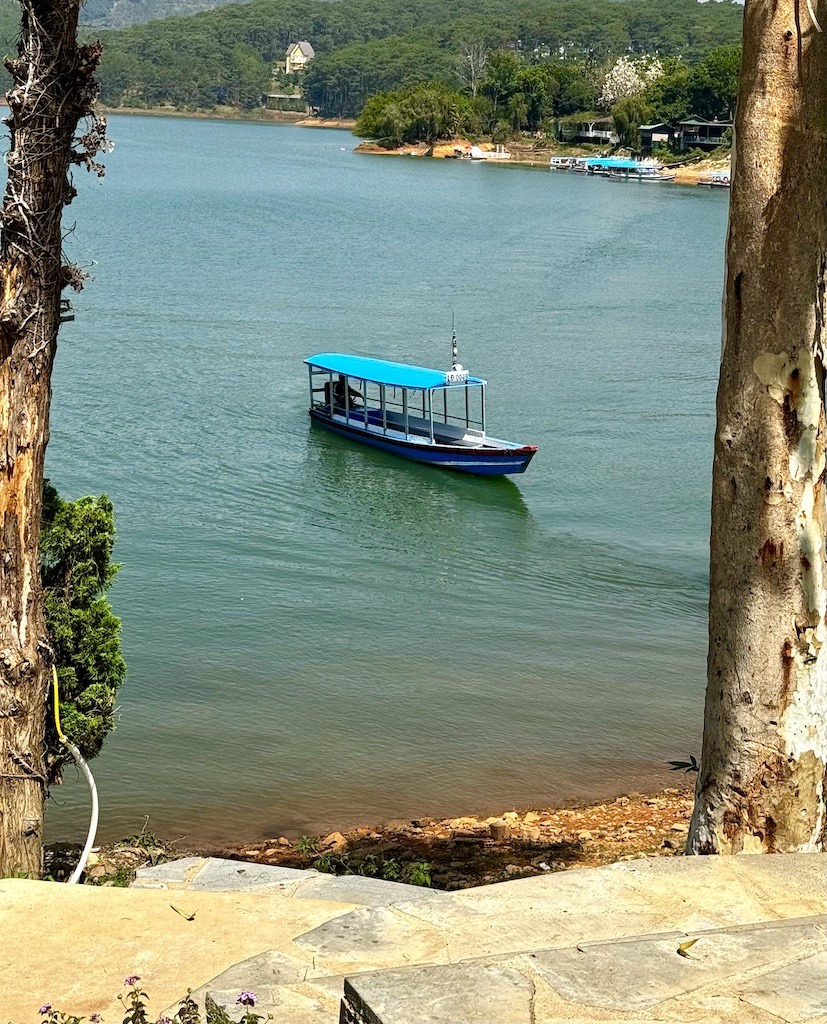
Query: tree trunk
<point>761,786</point>
<point>53,88</point>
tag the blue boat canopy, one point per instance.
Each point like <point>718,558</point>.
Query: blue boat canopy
<point>396,375</point>
<point>614,163</point>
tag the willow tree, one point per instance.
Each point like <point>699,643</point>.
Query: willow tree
<point>53,91</point>
<point>761,786</point>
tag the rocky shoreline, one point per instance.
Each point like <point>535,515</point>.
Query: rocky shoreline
<point>472,850</point>
<point>446,853</point>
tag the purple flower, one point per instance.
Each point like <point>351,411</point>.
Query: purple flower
<point>247,999</point>
<point>163,1019</point>
<point>132,979</point>
<point>95,1018</point>
<point>44,1009</point>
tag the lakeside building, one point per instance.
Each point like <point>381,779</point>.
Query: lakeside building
<point>698,133</point>
<point>597,129</point>
<point>298,56</point>
<point>692,133</point>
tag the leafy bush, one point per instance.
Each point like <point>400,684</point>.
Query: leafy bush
<point>422,113</point>
<point>76,565</point>
<point>372,866</point>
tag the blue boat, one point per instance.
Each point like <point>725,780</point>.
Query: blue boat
<point>432,416</point>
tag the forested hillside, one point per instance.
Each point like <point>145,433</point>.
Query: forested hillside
<point>368,46</point>
<point>120,13</point>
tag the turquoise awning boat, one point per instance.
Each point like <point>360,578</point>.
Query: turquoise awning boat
<point>431,416</point>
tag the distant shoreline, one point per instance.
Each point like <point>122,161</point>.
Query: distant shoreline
<point>528,156</point>
<point>269,117</point>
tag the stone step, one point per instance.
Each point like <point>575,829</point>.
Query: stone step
<point>755,974</point>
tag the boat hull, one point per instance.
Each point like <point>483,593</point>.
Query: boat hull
<point>476,461</point>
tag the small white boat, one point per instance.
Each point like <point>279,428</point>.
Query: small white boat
<point>717,179</point>
<point>500,153</point>
<point>649,174</point>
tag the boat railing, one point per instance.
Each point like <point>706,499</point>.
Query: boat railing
<point>420,412</point>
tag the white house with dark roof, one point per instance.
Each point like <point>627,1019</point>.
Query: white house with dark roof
<point>298,56</point>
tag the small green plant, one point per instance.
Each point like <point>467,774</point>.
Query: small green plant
<point>371,866</point>
<point>325,863</point>
<point>686,767</point>
<point>418,873</point>
<point>143,840</point>
<point>121,878</point>
<point>391,870</point>
<point>308,845</point>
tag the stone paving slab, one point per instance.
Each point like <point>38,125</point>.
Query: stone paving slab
<point>634,898</point>
<point>214,874</point>
<point>796,993</point>
<point>760,974</point>
<point>468,993</point>
<point>288,988</point>
<point>312,1002</point>
<point>103,934</point>
<point>639,974</point>
<point>366,892</point>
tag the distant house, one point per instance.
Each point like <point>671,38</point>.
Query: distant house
<point>698,133</point>
<point>298,56</point>
<point>592,128</point>
<point>652,135</point>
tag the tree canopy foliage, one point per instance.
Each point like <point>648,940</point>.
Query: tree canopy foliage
<point>514,95</point>
<point>77,571</point>
<point>365,47</point>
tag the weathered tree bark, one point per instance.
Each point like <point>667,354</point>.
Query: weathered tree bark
<point>761,786</point>
<point>53,88</point>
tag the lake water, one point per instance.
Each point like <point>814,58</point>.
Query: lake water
<point>319,634</point>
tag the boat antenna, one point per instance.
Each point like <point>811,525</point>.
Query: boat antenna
<point>454,352</point>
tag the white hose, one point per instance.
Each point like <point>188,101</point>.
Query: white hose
<point>93,824</point>
<point>93,789</point>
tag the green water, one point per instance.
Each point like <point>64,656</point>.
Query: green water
<point>320,634</point>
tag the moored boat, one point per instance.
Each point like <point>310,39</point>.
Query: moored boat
<point>716,179</point>
<point>642,172</point>
<point>431,416</point>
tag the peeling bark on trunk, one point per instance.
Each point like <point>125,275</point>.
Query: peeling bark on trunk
<point>761,786</point>
<point>53,88</point>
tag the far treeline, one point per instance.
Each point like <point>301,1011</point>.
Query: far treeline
<point>365,47</point>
